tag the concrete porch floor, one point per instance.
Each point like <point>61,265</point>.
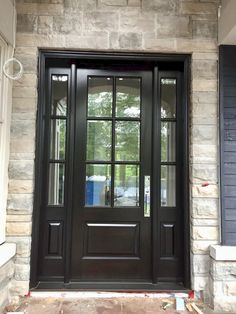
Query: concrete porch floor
<point>100,304</point>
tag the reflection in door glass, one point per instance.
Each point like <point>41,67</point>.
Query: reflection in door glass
<point>128,97</point>
<point>59,95</point>
<point>58,139</point>
<point>99,140</point>
<point>126,187</point>
<point>98,185</point>
<point>168,141</point>
<point>100,96</point>
<point>56,184</point>
<point>168,98</point>
<point>127,140</point>
<point>168,186</point>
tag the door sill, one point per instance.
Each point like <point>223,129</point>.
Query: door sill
<point>112,286</point>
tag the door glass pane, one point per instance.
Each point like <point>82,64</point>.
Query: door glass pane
<point>127,144</point>
<point>126,187</point>
<point>168,141</point>
<point>168,186</point>
<point>100,96</point>
<point>98,182</point>
<point>56,184</point>
<point>58,139</point>
<point>59,95</point>
<point>128,97</point>
<point>99,140</point>
<point>168,98</point>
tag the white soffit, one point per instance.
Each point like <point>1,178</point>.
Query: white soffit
<point>7,16</point>
<point>227,23</point>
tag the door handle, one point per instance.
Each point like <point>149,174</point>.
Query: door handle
<point>147,196</point>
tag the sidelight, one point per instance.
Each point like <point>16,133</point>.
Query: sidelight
<point>59,95</point>
<point>168,98</point>
<point>56,184</point>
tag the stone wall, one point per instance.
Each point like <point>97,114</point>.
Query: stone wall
<point>6,274</point>
<point>173,26</point>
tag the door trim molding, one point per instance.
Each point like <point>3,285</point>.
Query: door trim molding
<point>67,56</point>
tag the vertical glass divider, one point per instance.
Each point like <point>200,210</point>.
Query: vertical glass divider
<point>113,142</point>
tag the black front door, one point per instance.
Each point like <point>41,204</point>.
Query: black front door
<point>111,230</point>
<point>111,202</point>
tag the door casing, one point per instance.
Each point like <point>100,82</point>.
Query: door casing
<point>65,57</point>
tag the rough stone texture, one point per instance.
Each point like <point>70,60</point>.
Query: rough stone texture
<point>6,275</point>
<point>223,285</point>
<point>172,26</point>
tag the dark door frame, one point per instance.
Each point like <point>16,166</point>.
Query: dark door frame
<point>66,57</point>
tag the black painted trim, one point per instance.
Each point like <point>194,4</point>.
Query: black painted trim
<point>45,55</point>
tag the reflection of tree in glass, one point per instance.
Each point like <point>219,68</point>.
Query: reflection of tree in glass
<point>100,104</point>
<point>127,140</point>
<point>99,140</point>
<point>127,105</point>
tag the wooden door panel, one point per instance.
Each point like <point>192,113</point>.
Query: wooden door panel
<point>111,240</point>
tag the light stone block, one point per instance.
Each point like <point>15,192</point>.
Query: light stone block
<point>204,85</point>
<point>223,253</point>
<point>25,92</point>
<point>201,264</point>
<point>21,169</point>
<point>204,134</point>
<point>40,8</point>
<point>23,245</point>
<point>19,288</point>
<point>23,129</point>
<point>204,29</point>
<point>205,233</point>
<point>18,228</point>
<point>133,22</point>
<point>24,145</point>
<point>167,6</point>
<point>27,80</point>
<point>100,21</point>
<point>198,8</point>
<point>206,69</point>
<point>45,24</point>
<point>26,23</point>
<point>20,203</point>
<point>134,3</point>
<point>21,186</point>
<point>210,191</point>
<point>125,40</point>
<point>205,208</point>
<point>173,26</point>
<point>201,246</point>
<point>22,272</point>
<point>224,304</point>
<point>202,173</point>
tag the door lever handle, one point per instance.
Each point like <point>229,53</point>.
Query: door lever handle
<point>146,196</point>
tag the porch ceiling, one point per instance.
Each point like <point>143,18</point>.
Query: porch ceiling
<point>227,23</point>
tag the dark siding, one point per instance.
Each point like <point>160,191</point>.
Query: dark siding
<point>228,142</point>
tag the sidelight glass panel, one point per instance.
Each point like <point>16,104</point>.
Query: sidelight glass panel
<point>168,98</point>
<point>128,97</point>
<point>99,137</point>
<point>126,185</point>
<point>168,141</point>
<point>56,184</point>
<point>127,141</point>
<point>59,95</point>
<point>98,185</point>
<point>168,186</point>
<point>58,139</point>
<point>100,96</point>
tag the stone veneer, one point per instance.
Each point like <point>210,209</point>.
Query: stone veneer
<point>172,26</point>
